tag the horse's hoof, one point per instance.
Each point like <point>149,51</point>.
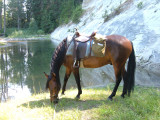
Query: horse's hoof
<point>77,97</point>
<point>62,94</point>
<point>122,96</point>
<point>109,98</point>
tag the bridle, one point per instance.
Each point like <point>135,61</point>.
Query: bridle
<point>52,96</point>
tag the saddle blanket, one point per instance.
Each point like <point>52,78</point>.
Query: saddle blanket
<point>85,49</point>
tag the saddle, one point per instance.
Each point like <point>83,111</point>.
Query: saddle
<point>81,47</point>
<point>83,38</point>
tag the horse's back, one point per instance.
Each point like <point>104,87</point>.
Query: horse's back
<point>118,40</point>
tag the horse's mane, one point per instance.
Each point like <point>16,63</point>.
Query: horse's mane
<point>57,60</point>
<point>58,55</point>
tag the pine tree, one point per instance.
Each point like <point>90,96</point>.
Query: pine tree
<point>1,6</point>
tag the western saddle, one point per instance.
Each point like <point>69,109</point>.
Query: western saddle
<point>80,46</point>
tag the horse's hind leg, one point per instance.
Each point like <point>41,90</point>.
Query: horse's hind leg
<point>67,75</point>
<point>118,80</point>
<point>124,74</point>
<point>77,77</point>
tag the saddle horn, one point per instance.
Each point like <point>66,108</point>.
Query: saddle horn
<point>77,33</point>
<point>93,34</point>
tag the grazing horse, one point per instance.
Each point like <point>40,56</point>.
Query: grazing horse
<point>118,50</point>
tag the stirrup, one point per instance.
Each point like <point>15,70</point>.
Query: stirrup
<point>74,64</point>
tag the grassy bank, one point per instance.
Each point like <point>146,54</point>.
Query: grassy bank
<point>144,104</point>
<point>25,33</point>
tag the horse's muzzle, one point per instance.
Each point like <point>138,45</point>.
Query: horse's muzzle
<point>55,101</point>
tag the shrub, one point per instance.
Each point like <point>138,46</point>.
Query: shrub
<point>140,5</point>
<point>105,15</point>
<point>33,26</point>
<point>40,32</point>
<point>16,33</point>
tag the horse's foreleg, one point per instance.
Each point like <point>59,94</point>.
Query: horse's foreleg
<point>118,80</point>
<point>77,78</point>
<point>67,75</point>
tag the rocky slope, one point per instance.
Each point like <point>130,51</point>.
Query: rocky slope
<point>138,20</point>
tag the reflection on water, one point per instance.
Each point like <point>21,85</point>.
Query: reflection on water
<point>21,68</point>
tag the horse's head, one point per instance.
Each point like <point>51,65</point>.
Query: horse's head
<point>53,87</point>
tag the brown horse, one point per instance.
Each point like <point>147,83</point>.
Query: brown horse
<point>118,50</point>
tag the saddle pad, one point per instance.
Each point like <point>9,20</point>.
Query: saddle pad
<point>83,49</point>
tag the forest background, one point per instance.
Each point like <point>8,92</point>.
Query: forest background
<point>37,16</point>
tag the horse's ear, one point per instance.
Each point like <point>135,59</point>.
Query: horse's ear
<point>54,75</point>
<point>46,75</point>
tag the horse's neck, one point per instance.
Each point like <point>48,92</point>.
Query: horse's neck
<point>58,57</point>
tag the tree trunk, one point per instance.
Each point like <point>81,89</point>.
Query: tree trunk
<point>18,19</point>
<point>18,22</point>
<point>4,17</point>
<point>0,15</point>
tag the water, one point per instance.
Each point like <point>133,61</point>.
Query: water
<point>21,68</point>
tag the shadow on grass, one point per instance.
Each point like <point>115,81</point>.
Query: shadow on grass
<point>68,104</point>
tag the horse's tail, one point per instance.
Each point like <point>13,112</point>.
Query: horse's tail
<point>131,72</point>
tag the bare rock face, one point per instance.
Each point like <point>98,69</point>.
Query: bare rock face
<point>137,20</point>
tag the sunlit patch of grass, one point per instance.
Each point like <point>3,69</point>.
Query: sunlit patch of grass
<point>2,43</point>
<point>144,103</point>
<point>26,33</point>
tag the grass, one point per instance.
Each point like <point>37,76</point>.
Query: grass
<point>2,43</point>
<point>144,104</point>
<point>25,33</point>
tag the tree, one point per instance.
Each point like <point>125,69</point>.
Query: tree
<point>48,14</point>
<point>16,14</point>
<point>37,6</point>
<point>1,5</point>
<point>4,17</point>
<point>28,6</point>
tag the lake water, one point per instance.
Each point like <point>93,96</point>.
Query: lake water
<point>21,68</point>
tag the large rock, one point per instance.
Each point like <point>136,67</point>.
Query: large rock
<point>137,20</point>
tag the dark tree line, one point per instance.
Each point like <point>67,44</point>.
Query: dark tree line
<point>46,14</point>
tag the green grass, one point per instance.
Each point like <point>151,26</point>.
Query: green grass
<point>144,104</point>
<point>25,33</point>
<point>2,43</point>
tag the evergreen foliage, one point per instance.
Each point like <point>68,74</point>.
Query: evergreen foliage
<point>45,15</point>
<point>33,26</point>
<point>77,14</point>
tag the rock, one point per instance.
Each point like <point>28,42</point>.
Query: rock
<point>137,20</point>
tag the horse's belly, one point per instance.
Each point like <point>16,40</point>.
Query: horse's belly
<point>94,62</point>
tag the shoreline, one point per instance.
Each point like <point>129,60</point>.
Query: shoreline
<point>4,41</point>
<point>43,37</point>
